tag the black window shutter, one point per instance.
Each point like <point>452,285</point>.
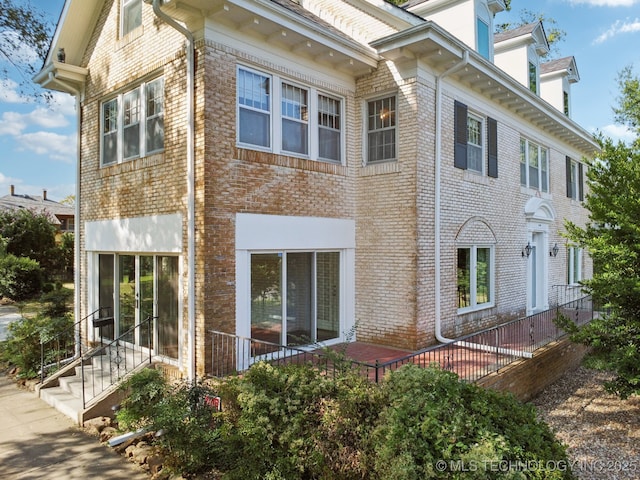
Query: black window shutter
<point>492,147</point>
<point>460,135</point>
<point>580,182</point>
<point>568,177</point>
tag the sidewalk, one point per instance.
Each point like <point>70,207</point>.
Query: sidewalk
<point>37,442</point>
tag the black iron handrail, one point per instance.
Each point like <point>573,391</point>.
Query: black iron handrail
<point>65,346</point>
<point>472,356</point>
<point>114,360</point>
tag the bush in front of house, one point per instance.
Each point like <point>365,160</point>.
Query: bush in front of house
<point>20,277</point>
<point>296,422</point>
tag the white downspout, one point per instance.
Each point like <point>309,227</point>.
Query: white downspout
<point>76,232</point>
<point>437,223</point>
<point>191,367</point>
<point>438,199</point>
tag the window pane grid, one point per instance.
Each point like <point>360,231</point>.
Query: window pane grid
<point>329,128</point>
<point>474,144</point>
<point>474,277</point>
<point>295,111</point>
<point>381,126</point>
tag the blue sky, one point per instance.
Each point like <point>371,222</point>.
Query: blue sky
<point>37,143</point>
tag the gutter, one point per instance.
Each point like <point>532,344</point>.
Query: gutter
<point>438,224</point>
<point>76,234</point>
<point>191,366</point>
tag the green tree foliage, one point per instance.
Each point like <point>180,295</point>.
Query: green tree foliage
<point>612,237</point>
<point>627,112</point>
<point>30,234</point>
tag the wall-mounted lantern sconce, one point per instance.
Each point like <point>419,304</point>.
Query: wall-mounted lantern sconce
<point>526,251</point>
<point>554,251</point>
<point>62,56</point>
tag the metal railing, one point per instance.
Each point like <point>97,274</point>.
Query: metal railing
<point>112,361</point>
<point>471,357</point>
<point>65,346</point>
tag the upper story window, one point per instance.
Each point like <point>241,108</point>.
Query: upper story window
<point>279,116</point>
<point>534,166</point>
<point>471,143</point>
<point>575,179</point>
<point>381,129</point>
<point>533,77</point>
<point>565,103</point>
<point>131,15</point>
<point>133,123</point>
<point>475,277</point>
<point>483,38</point>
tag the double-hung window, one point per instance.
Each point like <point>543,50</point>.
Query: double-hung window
<point>534,166</point>
<point>575,179</point>
<point>574,265</point>
<point>381,129</point>
<point>474,137</point>
<point>285,118</point>
<point>131,15</point>
<point>133,123</point>
<point>475,277</point>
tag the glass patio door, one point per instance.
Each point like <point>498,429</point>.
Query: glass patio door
<point>146,286</point>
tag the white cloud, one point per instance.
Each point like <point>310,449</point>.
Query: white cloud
<point>619,132</point>
<point>12,123</point>
<point>605,3</point>
<point>618,28</point>
<point>57,147</point>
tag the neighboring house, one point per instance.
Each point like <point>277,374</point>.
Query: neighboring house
<point>62,216</point>
<point>321,171</point>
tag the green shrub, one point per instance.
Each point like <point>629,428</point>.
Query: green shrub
<point>145,390</point>
<point>55,303</point>
<point>189,424</point>
<point>20,277</point>
<point>294,421</point>
<point>433,418</point>
<point>23,345</point>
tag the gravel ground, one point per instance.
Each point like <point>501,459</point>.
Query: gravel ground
<point>601,431</point>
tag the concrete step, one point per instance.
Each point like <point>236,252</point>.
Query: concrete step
<point>63,401</point>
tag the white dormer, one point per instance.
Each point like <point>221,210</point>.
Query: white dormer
<point>471,21</point>
<point>518,53</point>
<point>556,78</point>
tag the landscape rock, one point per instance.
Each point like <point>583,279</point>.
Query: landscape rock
<point>94,426</point>
<point>107,433</point>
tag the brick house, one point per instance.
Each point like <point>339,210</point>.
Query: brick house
<point>306,171</point>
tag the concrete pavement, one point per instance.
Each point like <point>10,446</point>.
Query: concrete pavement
<point>38,442</point>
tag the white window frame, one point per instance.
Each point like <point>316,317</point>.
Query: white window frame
<point>472,146</point>
<point>125,9</point>
<point>543,176</point>
<point>574,180</point>
<point>388,117</point>
<point>473,276</point>
<point>309,120</point>
<point>574,265</point>
<point>120,117</point>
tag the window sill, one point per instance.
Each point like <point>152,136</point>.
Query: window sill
<point>268,158</point>
<point>532,192</point>
<point>476,177</point>
<point>382,168</point>
<point>130,37</point>
<point>474,309</point>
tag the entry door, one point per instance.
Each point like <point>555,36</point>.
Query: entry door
<point>135,299</point>
<point>147,286</point>
<point>537,274</point>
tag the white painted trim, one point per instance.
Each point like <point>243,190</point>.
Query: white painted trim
<point>153,234</point>
<point>255,232</point>
<point>277,232</point>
